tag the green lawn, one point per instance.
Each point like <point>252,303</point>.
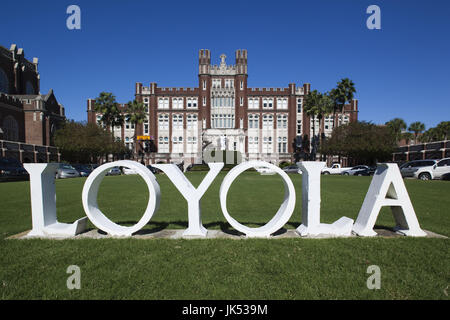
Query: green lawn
<point>412,268</point>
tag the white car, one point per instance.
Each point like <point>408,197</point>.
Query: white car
<point>264,170</point>
<point>435,171</point>
<point>352,171</point>
<point>128,171</point>
<point>334,169</point>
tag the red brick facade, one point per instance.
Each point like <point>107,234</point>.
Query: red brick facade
<point>222,96</point>
<point>26,115</point>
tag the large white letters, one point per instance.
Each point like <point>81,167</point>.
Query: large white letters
<point>387,189</point>
<point>43,203</point>
<point>311,205</point>
<point>90,191</point>
<point>192,195</point>
<point>284,212</point>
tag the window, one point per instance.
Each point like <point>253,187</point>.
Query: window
<point>268,122</point>
<point>444,163</point>
<point>145,128</point>
<point>4,83</point>
<point>163,122</point>
<point>163,103</point>
<point>253,103</point>
<point>204,84</point>
<point>192,102</point>
<point>216,83</point>
<point>177,103</point>
<point>242,85</point>
<point>222,121</point>
<point>10,129</point>
<point>192,121</point>
<point>282,122</point>
<point>299,127</point>
<point>177,121</point>
<point>253,121</point>
<point>299,105</point>
<point>241,101</point>
<point>282,103</point>
<point>163,144</point>
<point>268,103</point>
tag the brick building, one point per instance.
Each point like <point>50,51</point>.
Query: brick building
<point>225,114</point>
<point>28,119</point>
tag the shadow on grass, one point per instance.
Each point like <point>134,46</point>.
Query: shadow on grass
<point>225,227</point>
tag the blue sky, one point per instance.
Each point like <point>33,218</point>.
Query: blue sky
<point>402,70</point>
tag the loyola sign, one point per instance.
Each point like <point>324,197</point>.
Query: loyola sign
<point>386,189</point>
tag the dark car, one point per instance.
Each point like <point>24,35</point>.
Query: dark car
<point>292,169</point>
<point>153,169</point>
<point>82,169</point>
<point>445,176</point>
<point>368,171</point>
<point>12,170</point>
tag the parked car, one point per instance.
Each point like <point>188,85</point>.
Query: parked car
<point>368,171</point>
<point>82,169</point>
<point>115,171</point>
<point>352,171</point>
<point>445,176</point>
<point>264,170</point>
<point>334,169</point>
<point>12,170</point>
<point>128,171</point>
<point>292,169</point>
<point>435,171</point>
<point>409,168</point>
<point>66,171</point>
<point>153,169</point>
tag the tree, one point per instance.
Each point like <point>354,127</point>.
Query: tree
<point>317,105</point>
<point>81,142</point>
<point>416,127</point>
<point>311,107</point>
<point>363,142</point>
<point>343,93</point>
<point>408,136</point>
<point>135,114</point>
<point>396,126</point>
<point>106,105</point>
<point>444,129</point>
<point>438,133</point>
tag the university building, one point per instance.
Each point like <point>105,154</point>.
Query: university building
<point>28,119</point>
<point>223,113</point>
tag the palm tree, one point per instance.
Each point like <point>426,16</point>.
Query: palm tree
<point>408,136</point>
<point>112,116</point>
<point>396,126</point>
<point>106,105</point>
<point>343,93</point>
<point>416,127</point>
<point>135,114</point>
<point>317,105</point>
<point>311,107</point>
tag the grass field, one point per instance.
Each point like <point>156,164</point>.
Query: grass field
<point>411,268</point>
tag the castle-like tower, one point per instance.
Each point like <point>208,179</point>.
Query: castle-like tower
<point>225,114</point>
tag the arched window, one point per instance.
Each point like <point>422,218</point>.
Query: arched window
<point>10,129</point>
<point>29,89</point>
<point>4,83</point>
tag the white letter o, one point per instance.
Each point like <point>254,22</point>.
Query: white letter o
<point>284,212</point>
<point>90,191</point>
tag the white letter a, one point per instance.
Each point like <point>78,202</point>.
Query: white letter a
<point>388,189</point>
